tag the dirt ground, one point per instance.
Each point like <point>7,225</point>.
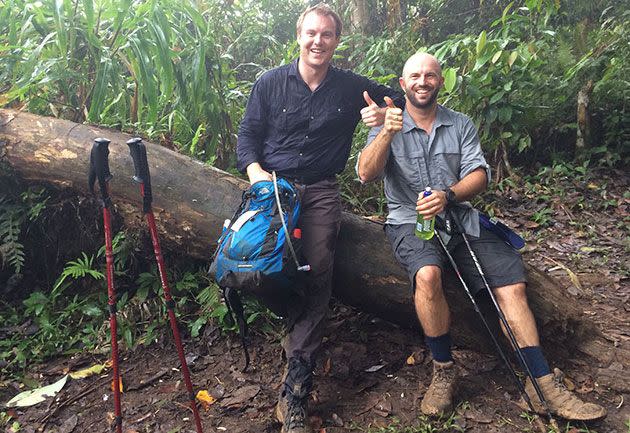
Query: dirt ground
<point>363,382</point>
<point>371,374</point>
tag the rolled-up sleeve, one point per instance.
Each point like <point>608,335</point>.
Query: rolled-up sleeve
<point>472,155</point>
<point>252,129</point>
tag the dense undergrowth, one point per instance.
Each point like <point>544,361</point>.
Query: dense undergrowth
<point>179,72</point>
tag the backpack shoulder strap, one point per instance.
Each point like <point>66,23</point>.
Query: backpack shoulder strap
<point>235,308</point>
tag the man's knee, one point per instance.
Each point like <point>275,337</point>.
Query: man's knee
<point>428,283</point>
<point>512,294</point>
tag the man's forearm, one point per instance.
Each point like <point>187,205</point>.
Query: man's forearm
<point>374,157</point>
<point>472,184</point>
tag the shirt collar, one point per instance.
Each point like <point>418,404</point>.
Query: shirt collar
<point>442,118</point>
<point>293,68</point>
<point>293,71</point>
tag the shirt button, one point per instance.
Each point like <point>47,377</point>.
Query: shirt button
<point>307,136</point>
<point>300,153</point>
<point>284,110</point>
<point>312,117</point>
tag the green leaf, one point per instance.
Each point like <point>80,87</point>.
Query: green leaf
<point>91,310</point>
<point>62,34</point>
<point>88,8</point>
<point>450,79</point>
<point>482,60</point>
<point>496,97</point>
<point>128,337</point>
<point>524,143</point>
<point>505,114</point>
<point>505,12</point>
<point>196,326</point>
<point>491,115</point>
<point>481,42</point>
<point>496,56</point>
<point>142,293</point>
<point>512,58</point>
<point>35,303</point>
<point>99,90</point>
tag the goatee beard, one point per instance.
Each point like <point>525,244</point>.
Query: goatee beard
<point>411,96</point>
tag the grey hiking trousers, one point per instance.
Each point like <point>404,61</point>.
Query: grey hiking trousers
<point>320,220</point>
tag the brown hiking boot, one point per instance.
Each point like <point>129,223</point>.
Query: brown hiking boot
<point>439,397</point>
<point>561,401</point>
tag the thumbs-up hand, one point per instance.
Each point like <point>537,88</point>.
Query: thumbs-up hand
<point>393,117</point>
<point>372,115</point>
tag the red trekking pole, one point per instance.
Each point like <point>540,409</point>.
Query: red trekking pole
<point>142,176</point>
<point>99,169</point>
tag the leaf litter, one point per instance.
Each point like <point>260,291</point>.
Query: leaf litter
<point>346,393</point>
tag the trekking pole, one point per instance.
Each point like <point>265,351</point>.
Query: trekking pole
<point>519,384</point>
<point>99,170</point>
<point>510,333</point>
<point>139,155</point>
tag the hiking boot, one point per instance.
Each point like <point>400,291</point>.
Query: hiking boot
<point>291,412</point>
<point>291,409</point>
<point>560,400</point>
<point>439,397</point>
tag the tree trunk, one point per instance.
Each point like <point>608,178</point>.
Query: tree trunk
<point>394,16</point>
<point>192,200</point>
<point>583,141</point>
<point>360,16</point>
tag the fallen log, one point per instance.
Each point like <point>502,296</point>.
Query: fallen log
<point>191,201</point>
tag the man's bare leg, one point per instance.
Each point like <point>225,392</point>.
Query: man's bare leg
<point>434,315</point>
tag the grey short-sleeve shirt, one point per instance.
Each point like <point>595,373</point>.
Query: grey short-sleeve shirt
<point>437,160</point>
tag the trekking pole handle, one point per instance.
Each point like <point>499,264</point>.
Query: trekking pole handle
<point>141,167</point>
<point>99,169</point>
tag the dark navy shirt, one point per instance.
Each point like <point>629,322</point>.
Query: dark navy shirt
<point>301,134</point>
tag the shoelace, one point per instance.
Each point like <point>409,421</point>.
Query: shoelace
<point>443,379</point>
<point>296,413</point>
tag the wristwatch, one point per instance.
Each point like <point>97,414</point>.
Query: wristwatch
<point>450,196</point>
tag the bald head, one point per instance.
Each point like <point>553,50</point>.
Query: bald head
<point>422,61</point>
<point>422,80</point>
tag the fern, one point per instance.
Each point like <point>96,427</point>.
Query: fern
<point>11,249</point>
<point>15,212</point>
<point>79,268</point>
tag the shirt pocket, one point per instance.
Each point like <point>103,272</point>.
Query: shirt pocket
<point>336,114</point>
<point>407,164</point>
<point>447,159</point>
<point>287,119</point>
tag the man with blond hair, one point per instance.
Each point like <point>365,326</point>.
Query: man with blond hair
<point>299,122</point>
<point>427,144</point>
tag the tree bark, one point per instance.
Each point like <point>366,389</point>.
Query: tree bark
<point>191,201</point>
<point>360,16</point>
<point>583,140</point>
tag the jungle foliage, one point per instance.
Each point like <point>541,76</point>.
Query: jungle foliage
<point>179,72</point>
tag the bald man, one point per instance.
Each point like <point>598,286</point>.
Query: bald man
<point>428,145</point>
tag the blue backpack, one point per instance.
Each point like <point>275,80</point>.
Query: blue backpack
<point>259,251</point>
